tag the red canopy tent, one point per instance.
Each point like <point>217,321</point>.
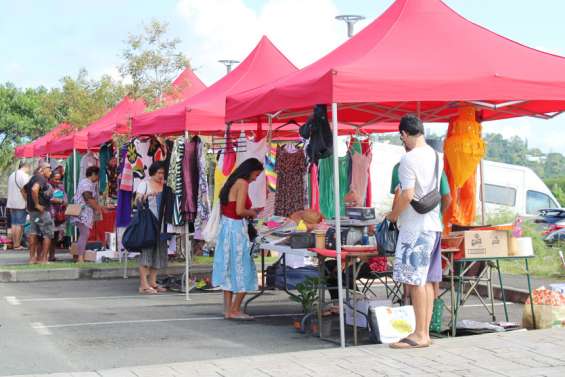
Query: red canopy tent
<point>418,56</point>
<point>204,113</point>
<point>39,147</point>
<point>417,52</point>
<point>186,85</point>
<point>100,131</point>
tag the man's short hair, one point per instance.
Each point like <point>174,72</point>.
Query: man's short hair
<point>412,125</point>
<point>24,164</point>
<point>92,170</point>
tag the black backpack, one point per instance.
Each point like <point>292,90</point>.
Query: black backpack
<point>317,130</point>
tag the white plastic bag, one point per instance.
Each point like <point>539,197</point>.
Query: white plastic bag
<point>212,227</point>
<point>392,323</point>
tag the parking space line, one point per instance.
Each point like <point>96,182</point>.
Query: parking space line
<point>40,328</point>
<point>38,325</point>
<point>12,300</point>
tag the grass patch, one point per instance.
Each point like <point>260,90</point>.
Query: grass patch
<point>107,265</point>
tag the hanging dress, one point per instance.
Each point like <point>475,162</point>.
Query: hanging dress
<point>291,168</point>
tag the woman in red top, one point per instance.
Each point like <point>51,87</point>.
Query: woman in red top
<point>234,269</point>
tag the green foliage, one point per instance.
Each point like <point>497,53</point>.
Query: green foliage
<point>308,294</point>
<point>557,186</point>
<point>546,263</point>
<point>152,62</point>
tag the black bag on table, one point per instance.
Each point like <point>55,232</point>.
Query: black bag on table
<point>387,237</point>
<point>143,231</point>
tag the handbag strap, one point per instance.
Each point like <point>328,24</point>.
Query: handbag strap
<point>436,171</point>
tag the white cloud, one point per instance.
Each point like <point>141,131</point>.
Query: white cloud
<point>304,30</point>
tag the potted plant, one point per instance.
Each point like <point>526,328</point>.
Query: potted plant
<point>307,296</point>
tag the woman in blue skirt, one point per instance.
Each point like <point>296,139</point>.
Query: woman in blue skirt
<point>234,269</point>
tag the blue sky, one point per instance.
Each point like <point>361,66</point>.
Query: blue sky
<point>42,41</point>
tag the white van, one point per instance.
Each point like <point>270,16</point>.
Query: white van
<point>509,187</point>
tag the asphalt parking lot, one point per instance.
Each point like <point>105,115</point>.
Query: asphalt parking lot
<point>65,326</point>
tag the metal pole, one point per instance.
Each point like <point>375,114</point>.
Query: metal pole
<point>483,199</point>
<point>338,226</point>
<point>75,187</point>
<point>187,248</point>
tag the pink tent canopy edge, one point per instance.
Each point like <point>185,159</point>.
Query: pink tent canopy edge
<point>418,55</point>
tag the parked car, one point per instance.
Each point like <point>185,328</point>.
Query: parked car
<point>555,238</point>
<point>551,219</point>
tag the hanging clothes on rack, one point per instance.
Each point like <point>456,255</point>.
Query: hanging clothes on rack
<point>191,179</point>
<point>326,180</point>
<point>105,155</point>
<point>360,164</point>
<point>88,160</point>
<point>176,182</point>
<point>258,189</point>
<point>203,202</point>
<point>69,174</point>
<point>314,188</point>
<point>270,162</point>
<point>291,168</point>
<point>123,209</point>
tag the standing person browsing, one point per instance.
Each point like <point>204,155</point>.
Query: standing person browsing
<point>234,269</point>
<point>87,197</point>
<point>419,231</point>
<point>17,202</point>
<point>39,192</point>
<point>159,198</point>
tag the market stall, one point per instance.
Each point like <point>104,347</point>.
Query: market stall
<point>417,57</point>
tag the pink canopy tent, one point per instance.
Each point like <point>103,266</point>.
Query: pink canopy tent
<point>39,147</point>
<point>100,131</point>
<point>186,85</point>
<point>204,113</point>
<point>418,55</point>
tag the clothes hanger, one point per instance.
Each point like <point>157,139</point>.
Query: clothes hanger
<point>292,121</point>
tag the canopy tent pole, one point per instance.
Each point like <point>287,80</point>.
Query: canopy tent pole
<point>338,226</point>
<point>187,248</point>
<point>75,186</point>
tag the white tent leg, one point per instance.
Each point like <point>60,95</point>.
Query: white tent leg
<point>338,225</point>
<point>187,251</point>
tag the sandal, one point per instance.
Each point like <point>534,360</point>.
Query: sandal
<point>407,343</point>
<point>241,317</point>
<point>147,291</point>
<point>159,289</point>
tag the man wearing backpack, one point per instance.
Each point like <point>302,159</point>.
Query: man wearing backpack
<point>17,203</point>
<point>39,193</point>
<point>417,212</point>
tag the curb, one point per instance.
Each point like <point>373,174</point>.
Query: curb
<point>19,276</point>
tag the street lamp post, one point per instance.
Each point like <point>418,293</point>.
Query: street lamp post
<point>350,20</point>
<point>228,63</point>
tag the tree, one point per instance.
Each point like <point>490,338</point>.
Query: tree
<point>82,100</point>
<point>152,62</point>
<point>22,119</point>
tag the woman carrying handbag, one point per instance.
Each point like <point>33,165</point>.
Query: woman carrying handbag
<point>158,197</point>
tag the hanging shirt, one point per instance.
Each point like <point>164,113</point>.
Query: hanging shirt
<point>87,161</point>
<point>291,168</point>
<point>258,189</point>
<point>359,174</point>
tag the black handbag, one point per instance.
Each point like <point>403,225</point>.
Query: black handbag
<point>432,199</point>
<point>387,237</point>
<point>143,231</point>
<point>251,231</point>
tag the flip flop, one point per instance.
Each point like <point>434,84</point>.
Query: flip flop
<point>158,288</point>
<point>241,317</point>
<point>147,291</point>
<point>407,343</point>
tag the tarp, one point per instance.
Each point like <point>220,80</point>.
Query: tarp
<point>100,131</point>
<point>205,112</point>
<point>418,55</point>
<point>38,147</point>
<point>186,85</point>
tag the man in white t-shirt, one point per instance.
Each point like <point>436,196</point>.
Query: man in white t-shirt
<point>419,234</point>
<point>17,202</point>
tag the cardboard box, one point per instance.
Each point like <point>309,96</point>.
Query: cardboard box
<point>482,244</point>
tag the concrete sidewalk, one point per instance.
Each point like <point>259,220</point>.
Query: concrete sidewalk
<point>533,353</point>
